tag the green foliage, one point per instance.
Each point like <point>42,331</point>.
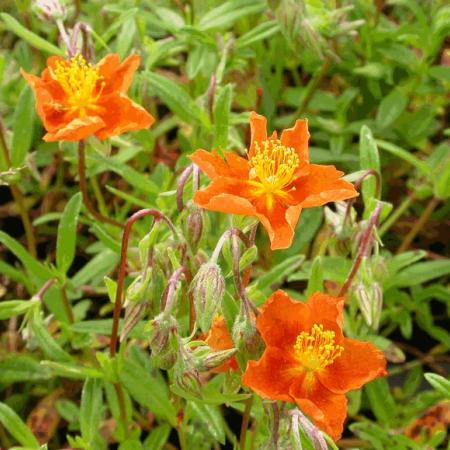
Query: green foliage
<point>371,78</point>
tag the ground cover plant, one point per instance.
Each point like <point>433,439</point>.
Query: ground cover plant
<point>223,224</point>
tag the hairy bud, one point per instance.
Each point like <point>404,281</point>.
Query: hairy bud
<point>163,340</point>
<point>194,226</point>
<point>186,374</point>
<point>206,359</point>
<point>208,289</point>
<point>51,9</point>
<point>370,301</point>
<point>246,337</point>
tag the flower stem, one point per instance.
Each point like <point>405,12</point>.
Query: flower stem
<point>364,246</point>
<point>18,198</point>
<point>396,214</point>
<point>180,186</point>
<point>122,408</point>
<point>312,86</point>
<point>423,219</point>
<point>84,188</point>
<point>67,305</point>
<point>245,422</point>
<point>122,268</point>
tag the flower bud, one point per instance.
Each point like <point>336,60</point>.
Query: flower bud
<point>246,337</point>
<point>163,340</point>
<point>185,373</point>
<point>208,289</point>
<point>194,226</point>
<point>51,9</point>
<point>139,288</point>
<point>370,301</point>
<point>206,359</point>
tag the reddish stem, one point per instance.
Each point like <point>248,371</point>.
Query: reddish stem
<point>365,241</point>
<point>122,268</point>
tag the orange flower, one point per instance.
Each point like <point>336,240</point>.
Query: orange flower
<point>273,183</point>
<point>218,338</point>
<point>307,359</point>
<point>75,99</point>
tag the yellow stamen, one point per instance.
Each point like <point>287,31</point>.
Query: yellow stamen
<point>272,167</point>
<point>316,350</point>
<point>80,81</point>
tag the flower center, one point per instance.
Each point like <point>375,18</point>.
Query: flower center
<point>79,80</point>
<point>274,165</point>
<point>316,349</point>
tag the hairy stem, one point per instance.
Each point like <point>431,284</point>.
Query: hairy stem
<point>84,188</point>
<point>364,246</point>
<point>67,305</point>
<point>123,263</point>
<point>245,422</point>
<point>423,219</point>
<point>18,198</point>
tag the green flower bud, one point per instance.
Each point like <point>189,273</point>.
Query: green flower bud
<point>186,374</point>
<point>246,337</point>
<point>194,226</point>
<point>207,359</point>
<point>163,340</point>
<point>370,301</point>
<point>208,289</point>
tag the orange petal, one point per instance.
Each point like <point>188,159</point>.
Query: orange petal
<point>282,320</point>
<point>213,165</point>
<point>120,114</point>
<point>238,166</point>
<point>76,130</point>
<point>323,184</point>
<point>359,363</point>
<point>327,410</point>
<point>219,337</point>
<point>280,222</point>
<point>271,376</point>
<point>225,195</point>
<point>297,138</point>
<point>326,310</point>
<point>258,131</point>
<point>118,77</point>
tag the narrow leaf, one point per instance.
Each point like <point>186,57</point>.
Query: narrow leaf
<point>67,234</point>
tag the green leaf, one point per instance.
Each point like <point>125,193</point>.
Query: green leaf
<point>23,121</point>
<point>72,371</point>
<point>227,13</point>
<point>12,308</point>
<point>212,419</point>
<point>99,266</point>
<point>440,383</point>
<point>369,159</point>
<point>33,39</point>
<point>405,155</point>
<point>315,282</point>
<point>178,100</point>
<point>67,234</point>
<point>422,272</point>
<point>149,392</point>
<point>32,266</point>
<point>391,107</point>
<point>132,176</point>
<point>222,117</point>
<point>276,274</point>
<point>381,401</point>
<point>157,438</point>
<point>15,426</point>
<point>91,409</point>
<point>19,369</point>
<point>48,345</point>
<point>260,32</point>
